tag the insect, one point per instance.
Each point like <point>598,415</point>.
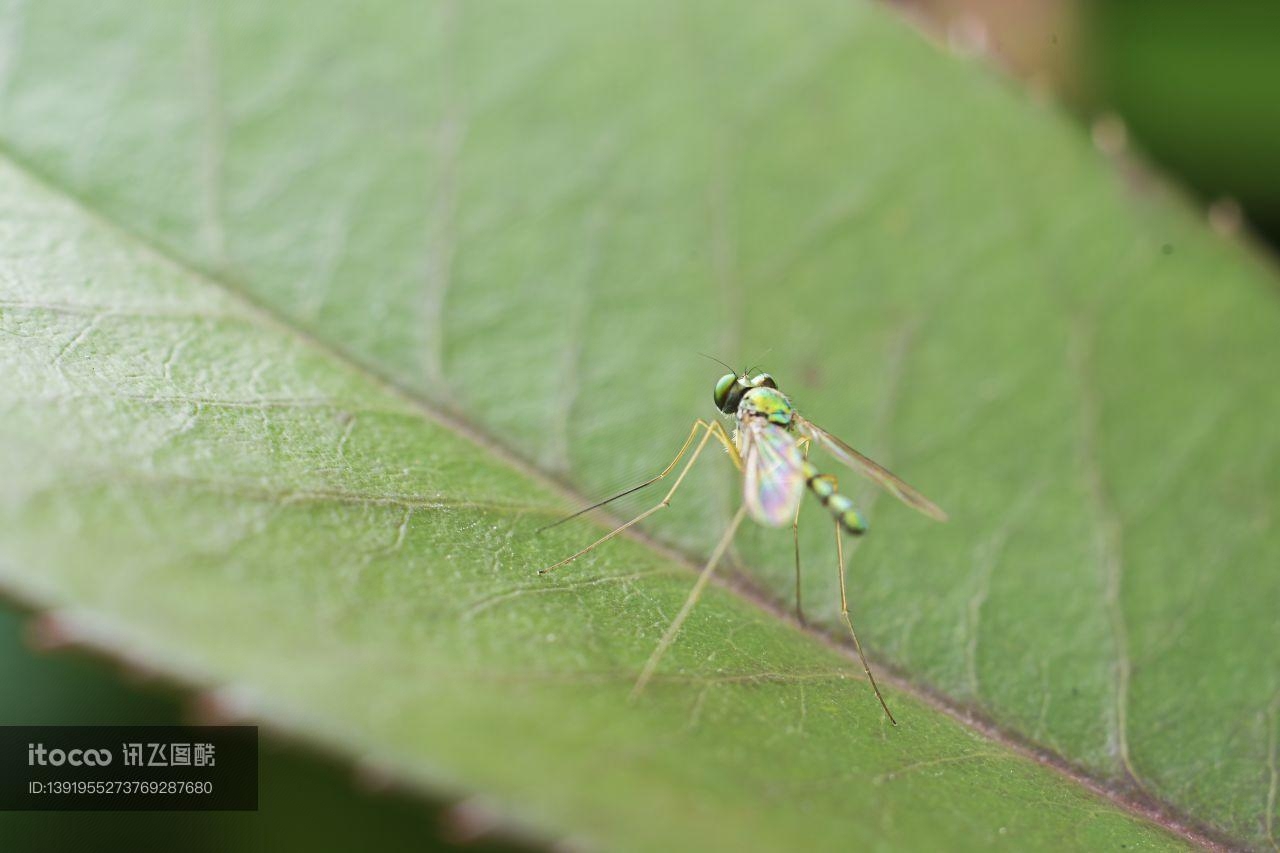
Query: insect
<point>770,448</point>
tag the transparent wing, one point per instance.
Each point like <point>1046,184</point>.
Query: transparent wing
<point>885,478</point>
<point>773,474</point>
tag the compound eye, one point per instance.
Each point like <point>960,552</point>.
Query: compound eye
<point>723,387</point>
<point>763,380</point>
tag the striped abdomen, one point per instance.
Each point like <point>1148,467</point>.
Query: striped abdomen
<point>825,488</point>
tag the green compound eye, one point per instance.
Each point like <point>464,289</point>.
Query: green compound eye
<point>723,386</point>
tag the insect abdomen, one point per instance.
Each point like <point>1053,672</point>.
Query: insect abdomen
<point>826,489</point>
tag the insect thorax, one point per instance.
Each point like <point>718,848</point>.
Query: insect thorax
<point>769,403</point>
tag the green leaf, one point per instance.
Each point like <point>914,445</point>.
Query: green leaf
<point>265,268</point>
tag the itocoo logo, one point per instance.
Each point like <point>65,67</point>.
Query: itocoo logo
<point>37,754</point>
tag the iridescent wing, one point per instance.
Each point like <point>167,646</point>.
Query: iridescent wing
<point>773,472</point>
<point>882,476</point>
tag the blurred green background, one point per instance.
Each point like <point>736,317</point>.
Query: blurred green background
<point>305,801</point>
<point>1196,85</point>
<point>1199,86</point>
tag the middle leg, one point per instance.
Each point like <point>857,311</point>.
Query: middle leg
<point>795,537</point>
<point>694,594</point>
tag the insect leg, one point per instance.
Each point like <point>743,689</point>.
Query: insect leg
<point>844,612</point>
<point>693,431</point>
<point>694,594</point>
<point>722,435</point>
<point>666,501</point>
<point>795,536</point>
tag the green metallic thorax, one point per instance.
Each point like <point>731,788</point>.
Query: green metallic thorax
<point>772,404</point>
<point>769,403</point>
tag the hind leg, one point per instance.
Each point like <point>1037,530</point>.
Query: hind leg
<point>844,612</point>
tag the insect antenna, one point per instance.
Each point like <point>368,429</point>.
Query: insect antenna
<point>757,364</point>
<point>718,361</point>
